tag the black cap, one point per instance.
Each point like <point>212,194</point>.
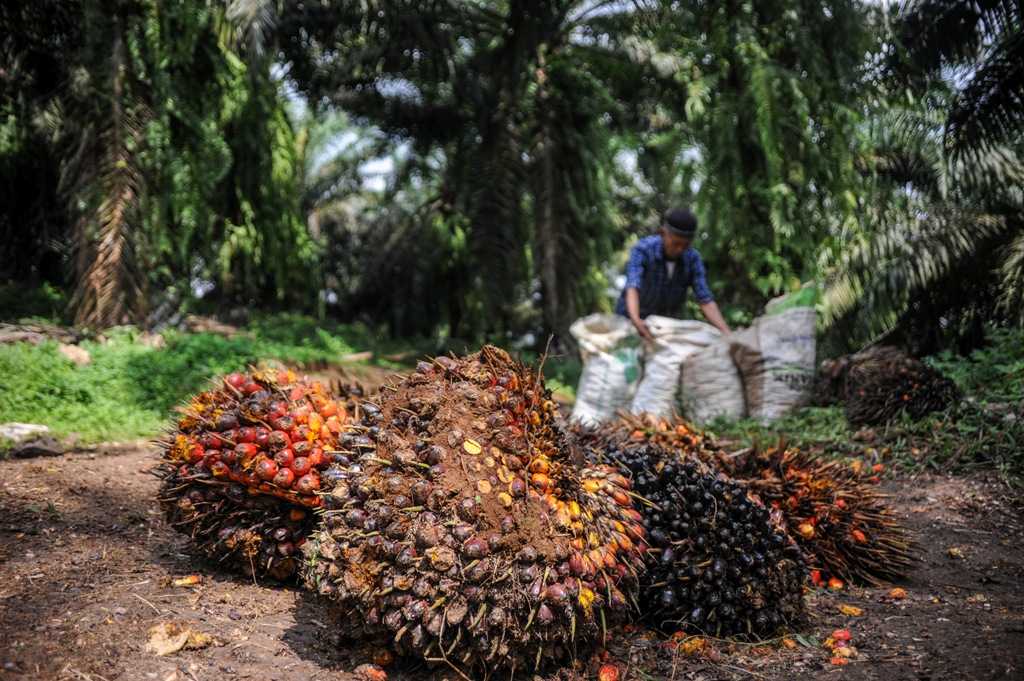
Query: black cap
<point>680,222</point>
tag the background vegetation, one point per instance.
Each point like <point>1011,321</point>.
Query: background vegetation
<point>375,171</point>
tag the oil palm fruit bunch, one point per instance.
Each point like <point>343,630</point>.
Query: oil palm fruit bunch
<point>242,466</point>
<point>882,384</point>
<point>674,434</point>
<point>838,517</point>
<point>459,523</point>
<point>718,562</point>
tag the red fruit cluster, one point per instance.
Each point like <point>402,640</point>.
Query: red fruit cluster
<point>269,431</point>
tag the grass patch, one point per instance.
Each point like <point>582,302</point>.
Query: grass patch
<point>129,389</point>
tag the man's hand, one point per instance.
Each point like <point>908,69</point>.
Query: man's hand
<point>641,328</point>
<point>633,310</point>
<point>714,315</point>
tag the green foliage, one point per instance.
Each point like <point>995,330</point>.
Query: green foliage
<point>129,389</point>
<point>993,373</point>
<point>768,100</point>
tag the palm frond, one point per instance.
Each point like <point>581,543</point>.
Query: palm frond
<point>107,289</point>
<point>879,276</point>
<point>1011,302</point>
<point>253,22</point>
<point>988,109</point>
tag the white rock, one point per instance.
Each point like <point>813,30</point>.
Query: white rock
<point>18,432</point>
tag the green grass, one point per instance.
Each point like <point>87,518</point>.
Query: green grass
<point>129,389</point>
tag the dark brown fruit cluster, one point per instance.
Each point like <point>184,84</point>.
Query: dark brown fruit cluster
<point>241,471</point>
<point>835,513</point>
<point>460,525</point>
<point>879,384</point>
<point>717,563</point>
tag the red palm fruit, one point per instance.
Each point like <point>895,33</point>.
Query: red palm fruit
<point>301,433</point>
<point>297,393</point>
<point>266,469</point>
<point>307,484</point>
<point>285,457</point>
<point>195,453</point>
<point>211,455</point>
<point>219,469</point>
<point>278,439</point>
<point>246,451</point>
<point>278,408</point>
<point>247,434</point>
<point>316,457</point>
<point>251,388</point>
<point>284,478</point>
<point>236,380</point>
<point>300,466</point>
<point>262,438</point>
<point>228,437</point>
<point>229,456</point>
<point>209,440</point>
<point>302,448</point>
<point>285,423</point>
<point>301,413</point>
<point>328,409</point>
<point>333,424</point>
<point>227,421</point>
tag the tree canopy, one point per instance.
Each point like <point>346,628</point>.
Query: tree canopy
<point>217,155</point>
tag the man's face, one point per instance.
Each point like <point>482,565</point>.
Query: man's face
<point>673,244</point>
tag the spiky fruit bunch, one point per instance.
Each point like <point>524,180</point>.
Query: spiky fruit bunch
<point>242,468</point>
<point>461,526</point>
<point>255,535</point>
<point>718,563</point>
<point>885,383</point>
<point>838,517</point>
<point>676,434</point>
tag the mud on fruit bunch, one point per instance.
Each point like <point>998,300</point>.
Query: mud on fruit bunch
<point>242,467</point>
<point>458,525</point>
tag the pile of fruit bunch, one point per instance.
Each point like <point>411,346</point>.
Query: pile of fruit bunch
<point>834,512</point>
<point>884,383</point>
<point>717,562</point>
<point>838,517</point>
<point>462,527</point>
<point>242,467</point>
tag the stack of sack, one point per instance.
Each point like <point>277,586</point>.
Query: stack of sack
<point>762,372</point>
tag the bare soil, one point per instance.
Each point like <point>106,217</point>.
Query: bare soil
<point>87,568</point>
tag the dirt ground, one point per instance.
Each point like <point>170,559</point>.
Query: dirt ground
<point>87,568</point>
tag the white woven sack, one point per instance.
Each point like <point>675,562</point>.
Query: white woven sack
<point>610,349</point>
<point>674,341</point>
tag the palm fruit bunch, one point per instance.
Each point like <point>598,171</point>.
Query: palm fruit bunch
<point>838,517</point>
<point>242,466</point>
<point>882,384</point>
<point>460,526</point>
<point>718,562</point>
<point>878,384</point>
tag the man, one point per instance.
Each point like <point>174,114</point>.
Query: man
<point>661,267</point>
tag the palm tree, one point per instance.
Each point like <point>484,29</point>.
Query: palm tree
<point>981,43</point>
<point>947,256</point>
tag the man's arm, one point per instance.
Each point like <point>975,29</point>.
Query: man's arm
<point>634,278</point>
<point>633,310</point>
<point>714,316</point>
<point>704,298</point>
